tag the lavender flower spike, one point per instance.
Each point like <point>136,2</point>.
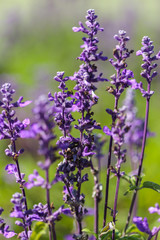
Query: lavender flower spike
<point>121,79</point>
<point>10,128</point>
<point>148,65</point>
<point>85,98</point>
<point>146,52</point>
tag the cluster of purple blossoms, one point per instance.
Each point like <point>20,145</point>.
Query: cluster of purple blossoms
<point>143,226</point>
<point>63,106</point>
<point>85,98</point>
<point>10,128</point>
<point>123,77</point>
<point>77,152</point>
<point>118,133</point>
<point>148,65</point>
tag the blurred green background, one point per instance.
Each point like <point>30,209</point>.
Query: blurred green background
<point>36,41</point>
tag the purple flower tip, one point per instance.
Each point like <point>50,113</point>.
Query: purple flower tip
<point>76,29</point>
<point>122,32</point>
<point>11,169</point>
<point>107,131</point>
<point>23,104</point>
<point>142,225</point>
<point>139,52</point>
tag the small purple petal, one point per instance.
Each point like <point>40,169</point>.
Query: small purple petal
<point>26,122</point>
<point>11,169</point>
<point>107,131</point>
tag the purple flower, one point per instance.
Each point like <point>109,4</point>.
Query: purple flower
<point>85,97</point>
<point>123,77</point>
<point>10,126</point>
<point>61,210</point>
<point>148,65</point>
<point>107,131</point>
<point>155,209</point>
<point>19,208</point>
<point>90,44</point>
<point>63,106</point>
<point>42,128</point>
<point>77,152</point>
<point>35,180</point>
<point>142,225</point>
<point>24,236</point>
<point>11,169</point>
<point>118,133</point>
<point>19,211</point>
<point>4,229</point>
<point>40,212</point>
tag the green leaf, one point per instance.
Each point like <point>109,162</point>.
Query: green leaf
<point>106,232</point>
<point>108,235</point>
<point>86,230</point>
<point>151,185</point>
<point>129,179</point>
<point>132,182</point>
<point>39,230</point>
<point>131,229</point>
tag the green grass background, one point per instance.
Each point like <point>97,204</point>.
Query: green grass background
<point>36,41</point>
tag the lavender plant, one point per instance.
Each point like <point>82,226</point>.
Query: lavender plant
<point>121,80</point>
<point>72,111</point>
<point>148,65</point>
<point>77,152</point>
<point>11,128</point>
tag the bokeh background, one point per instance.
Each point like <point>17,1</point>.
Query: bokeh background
<point>36,41</point>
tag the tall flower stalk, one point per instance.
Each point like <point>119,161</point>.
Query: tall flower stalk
<point>85,97</point>
<point>10,128</point>
<point>121,80</point>
<point>77,152</point>
<point>148,65</point>
<point>118,134</point>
